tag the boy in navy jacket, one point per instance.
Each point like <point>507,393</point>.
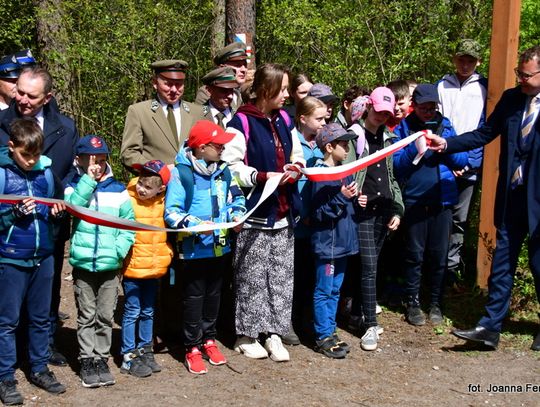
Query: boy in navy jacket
<point>429,191</point>
<point>26,256</point>
<point>334,237</point>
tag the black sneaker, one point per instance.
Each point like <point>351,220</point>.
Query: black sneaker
<point>47,381</point>
<point>134,365</point>
<point>89,375</point>
<point>56,358</point>
<point>9,394</point>
<point>342,344</point>
<point>149,359</point>
<point>105,376</point>
<point>329,348</point>
<point>415,316</point>
<point>435,315</point>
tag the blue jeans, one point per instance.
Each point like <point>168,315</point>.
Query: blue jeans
<point>139,299</point>
<point>328,279</point>
<point>31,286</point>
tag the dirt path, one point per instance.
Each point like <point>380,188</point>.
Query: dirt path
<point>414,366</point>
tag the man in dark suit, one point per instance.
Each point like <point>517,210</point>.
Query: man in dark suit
<point>517,201</point>
<point>33,96</point>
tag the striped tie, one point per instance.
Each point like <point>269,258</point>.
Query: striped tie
<point>526,129</point>
<point>528,121</point>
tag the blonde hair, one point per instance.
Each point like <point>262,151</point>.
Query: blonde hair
<point>306,107</point>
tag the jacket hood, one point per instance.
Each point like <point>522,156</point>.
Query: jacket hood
<point>452,79</point>
<point>251,110</point>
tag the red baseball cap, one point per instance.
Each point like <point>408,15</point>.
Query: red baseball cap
<point>157,167</point>
<point>206,132</point>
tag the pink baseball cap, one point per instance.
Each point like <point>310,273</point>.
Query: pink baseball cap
<point>383,100</point>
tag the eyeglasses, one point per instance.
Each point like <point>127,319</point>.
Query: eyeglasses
<point>217,147</point>
<point>427,110</point>
<point>524,76</point>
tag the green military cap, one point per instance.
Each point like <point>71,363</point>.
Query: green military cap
<point>468,47</point>
<point>170,68</point>
<point>232,52</point>
<point>223,77</point>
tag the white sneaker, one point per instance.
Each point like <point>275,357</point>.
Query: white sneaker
<point>370,338</point>
<point>378,309</point>
<point>380,330</point>
<point>275,348</point>
<point>250,347</point>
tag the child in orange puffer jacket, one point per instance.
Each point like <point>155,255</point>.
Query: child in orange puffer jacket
<point>147,261</point>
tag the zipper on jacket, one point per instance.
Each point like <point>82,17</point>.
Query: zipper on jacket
<point>34,214</point>
<point>94,256</point>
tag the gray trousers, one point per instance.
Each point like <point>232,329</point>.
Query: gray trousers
<point>96,294</point>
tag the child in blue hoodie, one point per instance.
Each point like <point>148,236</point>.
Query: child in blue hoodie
<point>202,191</point>
<point>334,237</point>
<point>429,191</point>
<point>26,256</point>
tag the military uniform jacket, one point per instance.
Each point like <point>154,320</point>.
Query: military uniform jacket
<point>148,136</point>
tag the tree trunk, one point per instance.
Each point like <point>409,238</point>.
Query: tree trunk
<point>241,25</point>
<point>53,46</point>
<point>218,27</point>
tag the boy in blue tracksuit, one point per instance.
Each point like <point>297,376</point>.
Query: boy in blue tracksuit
<point>334,237</point>
<point>429,190</point>
<point>202,191</point>
<point>26,256</point>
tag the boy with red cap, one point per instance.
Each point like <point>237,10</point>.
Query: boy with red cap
<point>147,261</point>
<point>202,191</point>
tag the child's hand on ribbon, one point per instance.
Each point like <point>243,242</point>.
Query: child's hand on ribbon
<point>349,191</point>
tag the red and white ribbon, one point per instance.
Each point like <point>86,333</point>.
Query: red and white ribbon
<point>318,174</point>
<point>314,174</point>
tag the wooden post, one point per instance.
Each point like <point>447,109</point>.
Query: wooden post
<point>504,48</point>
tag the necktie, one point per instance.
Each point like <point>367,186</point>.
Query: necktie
<point>526,128</point>
<point>220,116</point>
<point>528,121</point>
<point>171,120</point>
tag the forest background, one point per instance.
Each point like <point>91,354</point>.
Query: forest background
<point>99,51</point>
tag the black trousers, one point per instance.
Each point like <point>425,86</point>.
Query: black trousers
<point>427,232</point>
<point>202,280</point>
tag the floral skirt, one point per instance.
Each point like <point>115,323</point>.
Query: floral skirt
<point>263,279</point>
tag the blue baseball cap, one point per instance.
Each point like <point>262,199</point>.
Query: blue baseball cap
<point>91,144</point>
<point>9,67</point>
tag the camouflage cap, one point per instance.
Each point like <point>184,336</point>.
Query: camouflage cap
<point>223,77</point>
<point>170,68</point>
<point>232,52</point>
<point>332,132</point>
<point>468,47</point>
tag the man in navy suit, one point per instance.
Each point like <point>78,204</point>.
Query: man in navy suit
<point>517,201</point>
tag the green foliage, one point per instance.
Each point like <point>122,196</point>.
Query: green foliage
<point>110,47</point>
<point>368,42</point>
<point>529,32</point>
<point>17,29</point>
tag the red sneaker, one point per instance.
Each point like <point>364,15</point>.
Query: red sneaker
<point>194,361</point>
<point>215,357</point>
